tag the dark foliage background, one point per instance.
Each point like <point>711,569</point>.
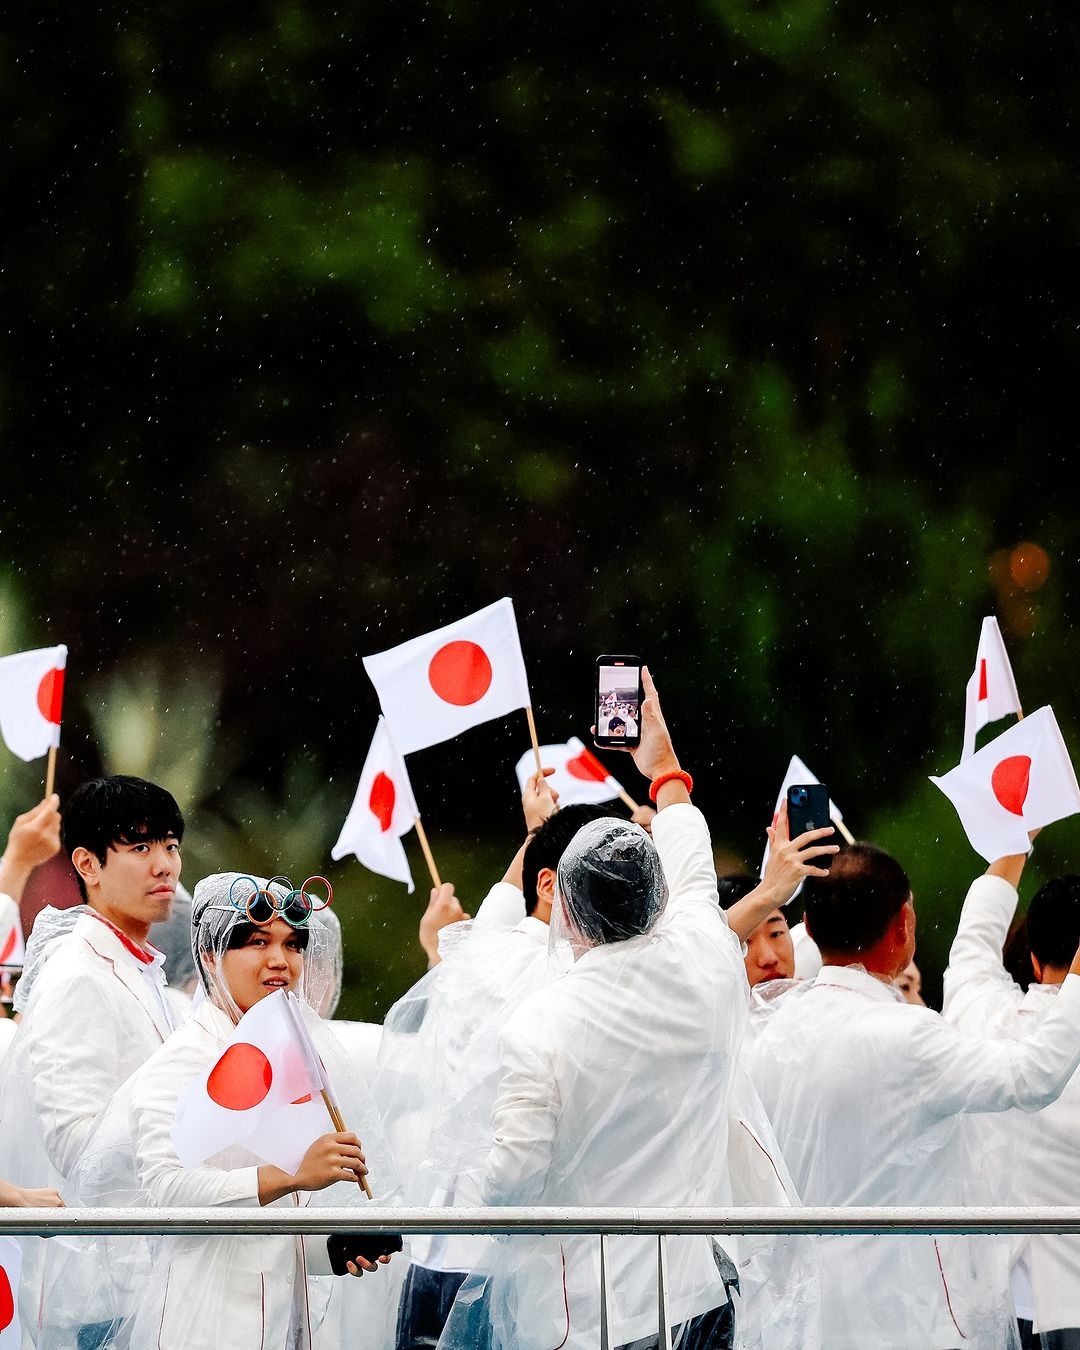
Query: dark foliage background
<point>743,334</point>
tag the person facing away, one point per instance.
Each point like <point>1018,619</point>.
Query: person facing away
<point>251,939</point>
<point>615,1083</point>
<point>1044,1147</point>
<point>93,1009</point>
<point>872,1099</point>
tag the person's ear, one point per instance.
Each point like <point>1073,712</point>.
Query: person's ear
<point>545,884</point>
<point>1036,966</point>
<point>87,864</point>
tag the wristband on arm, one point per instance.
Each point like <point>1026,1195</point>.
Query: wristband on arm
<point>658,783</point>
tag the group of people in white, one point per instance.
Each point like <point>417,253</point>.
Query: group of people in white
<point>615,1027</point>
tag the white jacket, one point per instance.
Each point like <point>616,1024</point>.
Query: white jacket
<point>95,1015</point>
<point>981,996</point>
<point>616,1092</point>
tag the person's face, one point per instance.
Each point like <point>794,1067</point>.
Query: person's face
<point>909,982</point>
<point>618,731</point>
<point>769,951</point>
<point>271,959</point>
<point>136,882</point>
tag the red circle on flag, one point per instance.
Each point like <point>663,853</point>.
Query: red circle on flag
<point>1009,782</point>
<point>50,696</point>
<point>381,800</point>
<point>586,767</point>
<point>7,1301</point>
<point>460,673</point>
<point>241,1078</point>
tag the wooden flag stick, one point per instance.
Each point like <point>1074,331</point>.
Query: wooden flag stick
<point>535,742</point>
<point>50,771</point>
<point>427,851</point>
<point>625,797</point>
<point>839,824</point>
<point>339,1125</point>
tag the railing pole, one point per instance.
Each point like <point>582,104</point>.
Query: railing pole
<point>663,1320</point>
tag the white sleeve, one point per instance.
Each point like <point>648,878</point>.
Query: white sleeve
<point>523,1122</point>
<point>682,839</point>
<point>502,907</point>
<point>979,993</point>
<point>72,1075</point>
<point>951,1071</point>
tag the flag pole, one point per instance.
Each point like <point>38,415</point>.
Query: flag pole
<point>535,742</point>
<point>625,796</point>
<point>50,771</point>
<point>839,824</point>
<point>427,851</point>
<point>339,1125</point>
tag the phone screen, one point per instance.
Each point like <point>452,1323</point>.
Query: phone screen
<point>617,709</point>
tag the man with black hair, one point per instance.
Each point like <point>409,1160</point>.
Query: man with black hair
<point>768,953</point>
<point>95,1009</point>
<point>1044,1147</point>
<point>871,1100</point>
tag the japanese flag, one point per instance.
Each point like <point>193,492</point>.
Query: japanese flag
<point>12,948</point>
<point>31,695</point>
<point>1020,781</point>
<point>261,1092</point>
<point>579,776</point>
<point>991,691</point>
<point>797,772</point>
<point>436,686</point>
<point>383,810</point>
<point>10,1274</point>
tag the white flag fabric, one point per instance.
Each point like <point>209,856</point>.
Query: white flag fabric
<point>260,1092</point>
<point>31,697</point>
<point>436,686</point>
<point>10,1275</point>
<point>797,772</point>
<point>382,811</point>
<point>1021,781</point>
<point>991,690</point>
<point>579,776</point>
<point>12,947</point>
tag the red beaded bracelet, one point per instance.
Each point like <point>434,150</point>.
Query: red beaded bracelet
<point>658,783</point>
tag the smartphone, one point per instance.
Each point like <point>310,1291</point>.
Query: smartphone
<point>808,809</point>
<point>617,696</point>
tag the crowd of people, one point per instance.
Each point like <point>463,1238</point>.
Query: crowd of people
<point>616,1026</point>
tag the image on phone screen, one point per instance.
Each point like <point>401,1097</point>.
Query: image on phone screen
<point>618,703</point>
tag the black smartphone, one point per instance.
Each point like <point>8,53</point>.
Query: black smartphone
<point>808,809</point>
<point>617,696</point>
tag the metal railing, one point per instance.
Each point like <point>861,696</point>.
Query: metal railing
<point>542,1219</point>
<point>523,1219</point>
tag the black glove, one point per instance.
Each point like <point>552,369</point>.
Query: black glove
<point>346,1247</point>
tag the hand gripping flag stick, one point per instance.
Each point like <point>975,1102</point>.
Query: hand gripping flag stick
<point>318,1073</point>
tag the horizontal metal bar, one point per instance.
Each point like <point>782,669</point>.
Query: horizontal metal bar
<point>520,1219</point>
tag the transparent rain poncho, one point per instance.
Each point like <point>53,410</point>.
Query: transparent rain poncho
<point>619,1084</point>
<point>197,1292</point>
<point>610,885</point>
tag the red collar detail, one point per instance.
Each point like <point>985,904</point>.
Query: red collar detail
<point>139,953</point>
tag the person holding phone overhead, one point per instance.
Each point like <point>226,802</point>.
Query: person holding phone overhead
<point>616,1082</point>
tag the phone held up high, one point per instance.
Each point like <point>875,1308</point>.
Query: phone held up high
<point>617,696</point>
<point>808,809</point>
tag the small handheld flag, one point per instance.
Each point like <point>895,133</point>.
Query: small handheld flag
<point>434,687</point>
<point>382,812</point>
<point>991,691</point>
<point>1018,782</point>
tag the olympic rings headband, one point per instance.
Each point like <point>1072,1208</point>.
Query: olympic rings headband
<point>260,904</point>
